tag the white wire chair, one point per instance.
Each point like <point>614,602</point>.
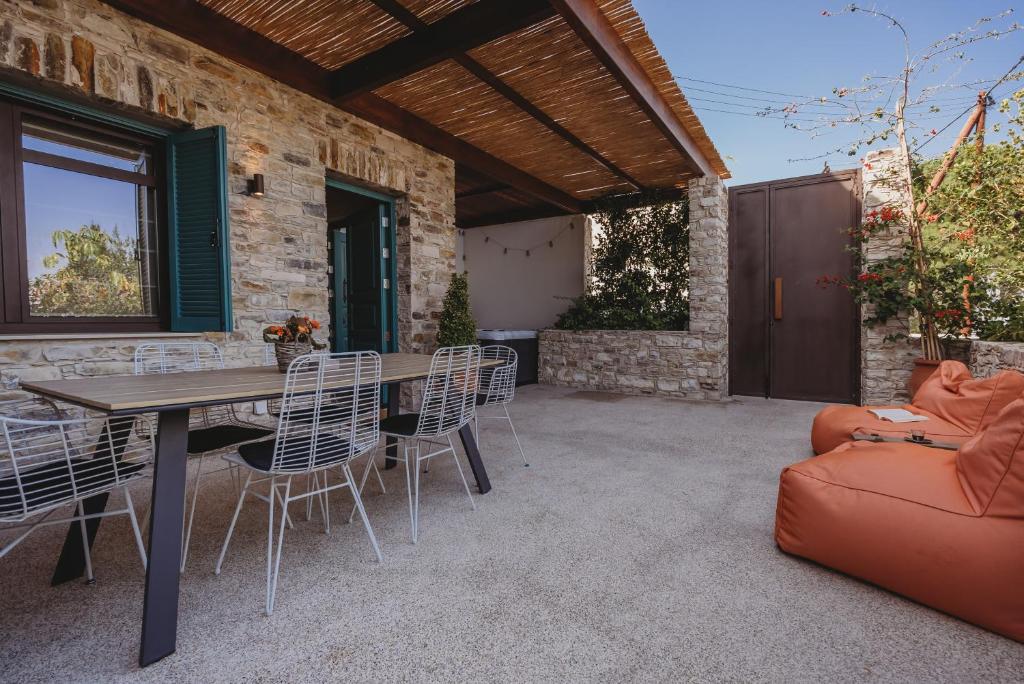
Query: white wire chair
<point>498,388</point>
<point>48,461</point>
<point>448,404</point>
<point>330,414</point>
<point>211,429</point>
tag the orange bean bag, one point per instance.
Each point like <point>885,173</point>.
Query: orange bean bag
<point>956,405</point>
<point>943,528</point>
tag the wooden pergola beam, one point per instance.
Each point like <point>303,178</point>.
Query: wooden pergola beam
<point>600,36</point>
<point>199,24</point>
<point>404,15</point>
<point>462,30</point>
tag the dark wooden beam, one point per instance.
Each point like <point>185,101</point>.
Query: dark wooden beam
<point>199,24</point>
<point>482,190</point>
<point>463,29</point>
<point>600,36</point>
<point>402,14</point>
<point>511,216</point>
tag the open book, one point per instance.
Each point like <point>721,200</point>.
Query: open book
<point>898,415</point>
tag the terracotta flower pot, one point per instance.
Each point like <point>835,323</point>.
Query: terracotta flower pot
<point>923,369</point>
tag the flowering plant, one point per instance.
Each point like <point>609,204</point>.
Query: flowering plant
<point>296,329</point>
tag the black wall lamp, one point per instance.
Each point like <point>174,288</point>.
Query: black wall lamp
<point>256,185</point>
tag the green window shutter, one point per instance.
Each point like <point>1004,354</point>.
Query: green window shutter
<point>200,262</point>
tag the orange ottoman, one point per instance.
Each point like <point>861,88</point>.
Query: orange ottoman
<point>957,408</point>
<point>943,528</point>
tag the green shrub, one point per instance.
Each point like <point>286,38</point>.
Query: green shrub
<point>640,269</point>
<point>456,327</point>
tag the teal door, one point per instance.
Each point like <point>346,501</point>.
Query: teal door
<point>339,303</point>
<point>365,281</point>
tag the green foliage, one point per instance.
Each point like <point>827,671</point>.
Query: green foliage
<point>97,274</point>
<point>975,233</point>
<point>456,327</point>
<point>640,270</point>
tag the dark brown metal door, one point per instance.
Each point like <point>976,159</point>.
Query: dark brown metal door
<point>790,338</point>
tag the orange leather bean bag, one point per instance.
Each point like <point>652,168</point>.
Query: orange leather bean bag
<point>957,406</point>
<point>943,528</point>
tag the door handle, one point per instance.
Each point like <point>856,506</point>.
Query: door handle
<point>778,299</point>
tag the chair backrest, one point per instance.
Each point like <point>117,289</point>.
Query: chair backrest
<point>498,384</point>
<point>330,411</point>
<point>991,465</point>
<point>449,392</point>
<point>158,358</point>
<point>45,463</point>
<point>177,357</point>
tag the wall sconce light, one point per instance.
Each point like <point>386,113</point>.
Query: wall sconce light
<point>256,185</point>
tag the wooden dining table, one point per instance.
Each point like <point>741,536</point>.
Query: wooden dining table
<point>171,397</point>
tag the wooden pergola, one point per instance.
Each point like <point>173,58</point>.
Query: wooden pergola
<point>545,105</point>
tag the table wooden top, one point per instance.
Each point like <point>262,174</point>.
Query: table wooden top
<point>128,394</point>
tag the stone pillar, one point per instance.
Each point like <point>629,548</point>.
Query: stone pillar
<point>885,365</point>
<point>709,282</point>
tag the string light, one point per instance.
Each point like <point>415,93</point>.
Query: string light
<point>532,248</point>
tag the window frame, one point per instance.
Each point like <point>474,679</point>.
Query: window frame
<point>15,315</point>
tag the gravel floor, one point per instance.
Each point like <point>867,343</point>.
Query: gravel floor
<point>637,546</point>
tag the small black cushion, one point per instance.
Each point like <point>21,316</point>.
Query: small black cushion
<point>220,436</point>
<point>47,484</point>
<point>481,399</point>
<point>260,455</point>
<point>401,424</point>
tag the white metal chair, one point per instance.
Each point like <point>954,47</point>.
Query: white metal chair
<point>449,403</point>
<point>498,388</point>
<point>211,429</point>
<point>48,462</point>
<point>330,414</point>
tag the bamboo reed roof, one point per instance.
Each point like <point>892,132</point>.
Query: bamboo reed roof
<point>540,97</point>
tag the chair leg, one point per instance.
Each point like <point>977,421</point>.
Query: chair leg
<point>362,482</point>
<point>309,499</point>
<point>272,578</point>
<point>458,465</point>
<point>272,499</point>
<point>380,480</point>
<point>90,577</point>
<point>234,519</point>
<point>476,428</point>
<point>521,452</point>
<point>408,489</point>
<point>191,514</point>
<point>325,504</point>
<point>135,526</point>
<point>362,511</point>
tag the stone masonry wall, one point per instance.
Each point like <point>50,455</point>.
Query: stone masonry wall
<point>692,364</point>
<point>988,358</point>
<point>279,243</point>
<point>885,365</point>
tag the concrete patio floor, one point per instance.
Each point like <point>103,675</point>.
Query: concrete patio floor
<point>637,546</point>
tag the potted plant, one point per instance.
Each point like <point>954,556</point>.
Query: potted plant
<point>293,339</point>
<point>456,327</point>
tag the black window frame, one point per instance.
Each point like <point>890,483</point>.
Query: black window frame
<point>15,316</point>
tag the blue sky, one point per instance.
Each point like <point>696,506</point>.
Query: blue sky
<point>790,48</point>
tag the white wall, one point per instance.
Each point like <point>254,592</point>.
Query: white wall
<point>512,290</point>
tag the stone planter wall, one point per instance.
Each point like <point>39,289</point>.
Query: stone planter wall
<point>631,361</point>
<point>87,49</point>
<point>692,364</point>
<point>987,358</point>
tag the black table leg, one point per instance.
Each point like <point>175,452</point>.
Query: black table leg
<point>473,454</point>
<point>160,610</point>
<point>71,564</point>
<point>394,408</point>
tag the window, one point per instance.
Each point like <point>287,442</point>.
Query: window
<point>83,237</point>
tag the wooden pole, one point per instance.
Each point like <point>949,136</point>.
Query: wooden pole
<point>947,161</point>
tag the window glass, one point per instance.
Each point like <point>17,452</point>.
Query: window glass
<point>42,135</point>
<point>91,245</point>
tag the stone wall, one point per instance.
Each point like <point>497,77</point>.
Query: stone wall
<point>278,243</point>
<point>693,364</point>
<point>628,361</point>
<point>988,358</point>
<point>885,365</point>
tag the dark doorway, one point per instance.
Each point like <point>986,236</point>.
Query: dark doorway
<point>789,338</point>
<point>360,264</point>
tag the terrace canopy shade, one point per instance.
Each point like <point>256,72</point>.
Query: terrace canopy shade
<point>545,105</point>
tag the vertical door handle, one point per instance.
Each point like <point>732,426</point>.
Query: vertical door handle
<point>778,299</point>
